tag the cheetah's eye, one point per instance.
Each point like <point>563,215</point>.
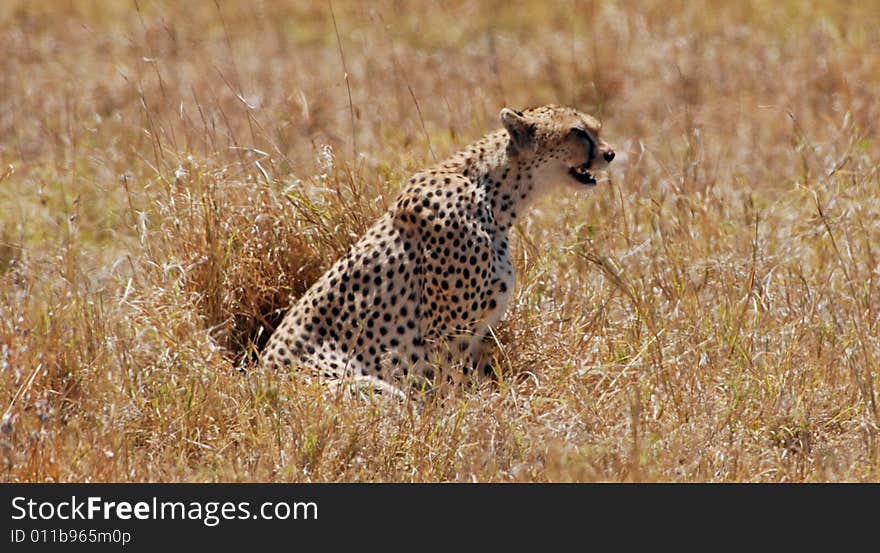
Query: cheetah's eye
<point>580,133</point>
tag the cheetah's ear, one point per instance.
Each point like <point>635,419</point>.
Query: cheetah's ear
<point>522,132</point>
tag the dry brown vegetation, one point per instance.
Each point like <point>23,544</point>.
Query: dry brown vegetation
<point>171,174</point>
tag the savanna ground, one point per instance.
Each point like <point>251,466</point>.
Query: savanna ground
<point>173,174</point>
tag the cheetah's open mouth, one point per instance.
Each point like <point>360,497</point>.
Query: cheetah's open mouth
<point>582,175</point>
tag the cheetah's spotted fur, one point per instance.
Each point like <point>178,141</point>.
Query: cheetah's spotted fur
<point>418,293</point>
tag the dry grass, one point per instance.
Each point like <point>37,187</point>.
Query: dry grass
<point>172,174</point>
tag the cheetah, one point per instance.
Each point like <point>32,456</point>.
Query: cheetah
<point>414,299</point>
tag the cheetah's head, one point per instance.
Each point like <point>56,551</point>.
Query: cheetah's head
<point>561,143</point>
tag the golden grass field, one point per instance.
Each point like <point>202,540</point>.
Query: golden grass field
<point>173,174</point>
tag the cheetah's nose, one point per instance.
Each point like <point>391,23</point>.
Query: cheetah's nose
<point>609,155</point>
